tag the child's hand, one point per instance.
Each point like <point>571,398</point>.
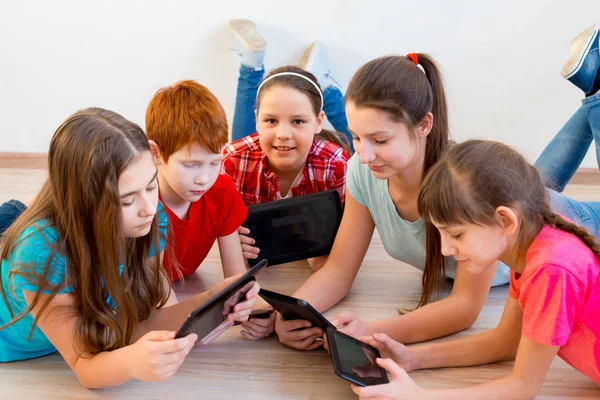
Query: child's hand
<point>257,328</point>
<point>347,323</point>
<point>157,355</point>
<point>250,252</point>
<point>239,311</point>
<point>389,348</point>
<point>401,385</point>
<point>291,333</point>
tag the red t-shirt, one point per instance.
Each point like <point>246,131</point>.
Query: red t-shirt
<point>219,212</point>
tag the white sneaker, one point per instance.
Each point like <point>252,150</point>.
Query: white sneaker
<point>313,60</point>
<point>249,44</point>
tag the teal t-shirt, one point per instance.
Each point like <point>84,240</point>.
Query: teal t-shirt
<point>34,248</point>
<point>402,240</point>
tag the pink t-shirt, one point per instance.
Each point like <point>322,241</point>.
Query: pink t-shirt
<point>559,293</point>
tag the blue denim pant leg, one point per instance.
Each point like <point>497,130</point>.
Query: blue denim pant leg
<point>592,108</point>
<point>9,212</point>
<point>244,119</point>
<point>585,214</point>
<point>565,152</point>
<point>563,155</point>
<point>333,106</point>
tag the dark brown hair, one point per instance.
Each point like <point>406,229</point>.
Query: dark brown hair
<point>183,114</point>
<point>398,87</point>
<point>80,200</point>
<point>476,177</point>
<point>310,91</point>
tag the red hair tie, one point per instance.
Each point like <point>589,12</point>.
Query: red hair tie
<point>413,57</point>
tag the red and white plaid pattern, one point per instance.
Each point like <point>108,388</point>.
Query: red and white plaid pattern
<point>246,163</point>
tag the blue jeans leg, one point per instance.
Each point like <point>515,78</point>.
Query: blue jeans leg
<point>9,212</point>
<point>592,109</point>
<point>563,155</point>
<point>333,106</point>
<point>584,214</point>
<point>244,120</point>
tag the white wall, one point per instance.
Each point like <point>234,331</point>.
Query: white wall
<point>501,59</point>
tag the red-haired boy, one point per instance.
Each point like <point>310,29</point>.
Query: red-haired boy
<point>187,130</point>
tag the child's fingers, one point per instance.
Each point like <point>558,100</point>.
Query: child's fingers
<point>390,366</point>
<point>250,336</point>
<point>248,254</point>
<point>295,324</point>
<point>265,323</point>
<point>242,230</point>
<point>303,334</point>
<point>175,345</point>
<point>310,342</point>
<point>176,357</point>
<point>268,328</point>
<point>247,240</point>
<point>251,289</point>
<point>370,341</point>
<point>343,319</point>
<point>257,333</point>
<point>316,345</point>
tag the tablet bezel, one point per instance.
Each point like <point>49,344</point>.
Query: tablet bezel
<point>337,362</point>
<point>196,315</point>
<point>258,213</point>
<point>292,308</point>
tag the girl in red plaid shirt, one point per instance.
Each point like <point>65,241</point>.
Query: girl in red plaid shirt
<point>290,155</point>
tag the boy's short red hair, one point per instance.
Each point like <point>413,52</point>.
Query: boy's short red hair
<point>183,114</point>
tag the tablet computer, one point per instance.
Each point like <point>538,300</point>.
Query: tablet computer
<point>296,228</point>
<point>354,360</point>
<point>292,308</point>
<point>203,320</point>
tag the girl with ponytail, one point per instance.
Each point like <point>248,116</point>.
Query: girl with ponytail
<point>398,118</point>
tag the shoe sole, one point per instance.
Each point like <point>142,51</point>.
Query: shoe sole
<point>309,55</point>
<point>579,49</point>
<point>245,31</point>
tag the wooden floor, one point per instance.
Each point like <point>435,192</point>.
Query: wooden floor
<point>234,368</point>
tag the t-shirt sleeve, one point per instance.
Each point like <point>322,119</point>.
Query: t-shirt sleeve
<point>353,180</point>
<point>551,300</point>
<point>163,228</point>
<point>32,253</point>
<point>234,209</point>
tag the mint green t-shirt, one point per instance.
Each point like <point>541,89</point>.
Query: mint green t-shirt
<point>34,247</point>
<point>403,240</point>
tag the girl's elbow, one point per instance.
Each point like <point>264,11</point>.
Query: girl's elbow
<point>468,319</point>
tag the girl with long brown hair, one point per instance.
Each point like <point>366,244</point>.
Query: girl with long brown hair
<point>82,266</point>
<point>397,114</point>
<point>489,204</point>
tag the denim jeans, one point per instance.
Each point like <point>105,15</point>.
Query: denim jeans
<point>9,212</point>
<point>244,120</point>
<point>563,155</point>
<point>585,214</point>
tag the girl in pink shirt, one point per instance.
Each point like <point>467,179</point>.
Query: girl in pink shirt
<point>489,204</point>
